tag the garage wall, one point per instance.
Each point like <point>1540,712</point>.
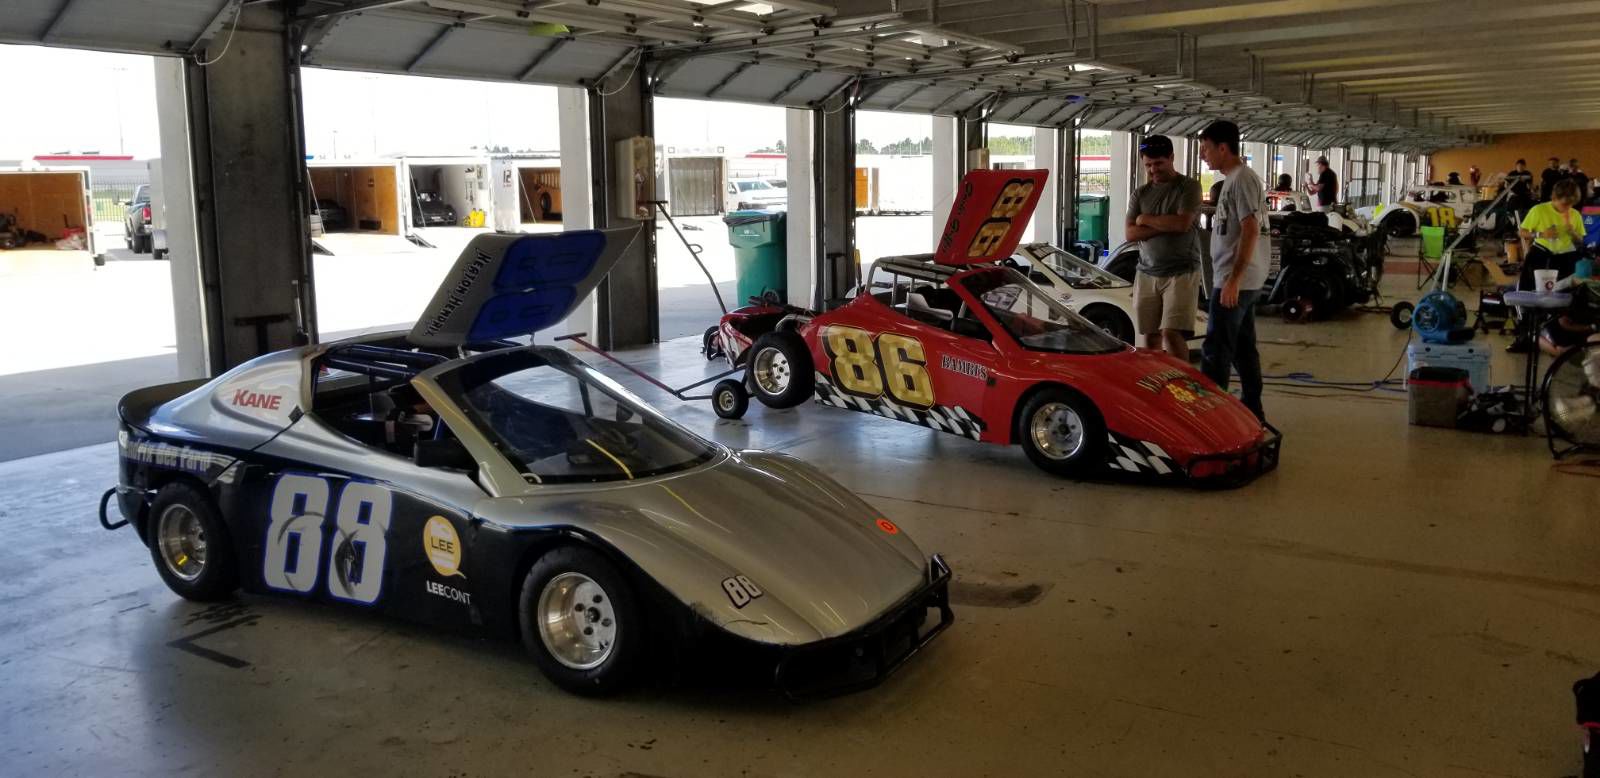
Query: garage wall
<point>1535,147</point>
<point>369,192</point>
<point>47,203</point>
<point>531,180</point>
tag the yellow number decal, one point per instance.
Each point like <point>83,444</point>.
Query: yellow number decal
<point>1442,217</point>
<point>1011,199</point>
<point>855,366</point>
<point>905,369</point>
<point>988,237</point>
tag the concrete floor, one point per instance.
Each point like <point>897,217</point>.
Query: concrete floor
<point>1393,601</point>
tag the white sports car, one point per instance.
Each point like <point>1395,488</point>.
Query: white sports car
<point>1090,291</point>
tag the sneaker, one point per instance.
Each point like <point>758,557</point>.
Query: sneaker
<point>1520,346</point>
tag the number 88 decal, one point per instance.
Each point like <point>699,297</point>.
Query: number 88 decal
<point>895,362</point>
<point>293,549</point>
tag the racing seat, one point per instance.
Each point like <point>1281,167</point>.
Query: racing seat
<point>917,307</point>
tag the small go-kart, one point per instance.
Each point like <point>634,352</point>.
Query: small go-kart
<point>455,478</point>
<point>963,344</point>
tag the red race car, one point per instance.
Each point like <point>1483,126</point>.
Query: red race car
<point>962,344</point>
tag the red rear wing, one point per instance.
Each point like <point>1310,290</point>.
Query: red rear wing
<point>991,212</point>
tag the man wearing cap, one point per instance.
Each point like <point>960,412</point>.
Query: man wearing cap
<point>1326,187</point>
<point>1161,216</point>
<point>1239,260</point>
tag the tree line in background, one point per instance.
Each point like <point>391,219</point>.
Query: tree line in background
<point>1003,145</point>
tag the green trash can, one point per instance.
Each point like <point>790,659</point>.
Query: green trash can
<point>1094,218</point>
<point>760,253</point>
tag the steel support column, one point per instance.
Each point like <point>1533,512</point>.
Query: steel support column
<point>628,307</point>
<point>835,179</point>
<point>1066,187</point>
<point>248,151</point>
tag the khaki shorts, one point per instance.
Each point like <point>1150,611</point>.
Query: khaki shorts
<point>1165,302</point>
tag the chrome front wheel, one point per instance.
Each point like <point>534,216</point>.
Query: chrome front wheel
<point>577,621</point>
<point>1057,431</point>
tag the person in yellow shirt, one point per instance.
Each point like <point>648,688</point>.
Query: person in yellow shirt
<point>1555,229</point>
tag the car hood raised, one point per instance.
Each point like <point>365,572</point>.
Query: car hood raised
<point>820,557</point>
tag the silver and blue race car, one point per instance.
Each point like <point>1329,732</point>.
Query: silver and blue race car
<point>455,477</point>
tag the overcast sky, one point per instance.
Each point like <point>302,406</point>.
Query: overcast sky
<point>95,101</point>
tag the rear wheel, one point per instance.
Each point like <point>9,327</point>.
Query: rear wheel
<point>780,370</point>
<point>190,544</point>
<point>710,344</point>
<point>1112,320</point>
<point>1061,432</point>
<point>545,206</point>
<point>580,619</point>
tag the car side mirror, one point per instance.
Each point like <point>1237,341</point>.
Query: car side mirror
<point>444,453</point>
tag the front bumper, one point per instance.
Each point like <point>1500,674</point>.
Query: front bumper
<point>1224,471</point>
<point>863,658</point>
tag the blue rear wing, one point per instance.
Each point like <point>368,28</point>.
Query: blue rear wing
<point>503,285</point>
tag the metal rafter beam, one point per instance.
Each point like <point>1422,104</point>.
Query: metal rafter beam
<point>543,56</point>
<point>49,33</point>
<point>449,29</point>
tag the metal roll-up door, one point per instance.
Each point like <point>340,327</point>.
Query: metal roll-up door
<point>696,186</point>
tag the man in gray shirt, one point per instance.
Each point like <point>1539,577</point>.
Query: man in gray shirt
<point>1239,259</point>
<point>1161,216</point>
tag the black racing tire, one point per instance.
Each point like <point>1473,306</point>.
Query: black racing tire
<point>1044,449</point>
<point>1298,310</point>
<point>1400,315</point>
<point>141,244</point>
<point>730,399</point>
<point>710,344</point>
<point>181,516</point>
<point>1399,226</point>
<point>545,206</point>
<point>1111,319</point>
<point>553,579</point>
<point>779,370</point>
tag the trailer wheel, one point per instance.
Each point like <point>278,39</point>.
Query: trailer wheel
<point>729,399</point>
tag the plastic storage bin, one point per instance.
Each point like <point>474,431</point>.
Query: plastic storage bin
<point>1471,357</point>
<point>1437,395</point>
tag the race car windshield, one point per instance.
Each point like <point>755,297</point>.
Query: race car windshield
<point>1036,320</point>
<point>567,424</point>
<point>1078,273</point>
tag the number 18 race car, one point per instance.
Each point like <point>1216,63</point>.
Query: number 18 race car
<point>962,343</point>
<point>455,478</point>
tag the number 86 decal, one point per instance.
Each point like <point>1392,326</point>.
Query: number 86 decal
<point>293,549</point>
<point>863,368</point>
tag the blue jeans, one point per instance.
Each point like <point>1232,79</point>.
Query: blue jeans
<point>1231,344</point>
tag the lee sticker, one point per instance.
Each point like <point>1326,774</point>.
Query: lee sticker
<point>443,546</point>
